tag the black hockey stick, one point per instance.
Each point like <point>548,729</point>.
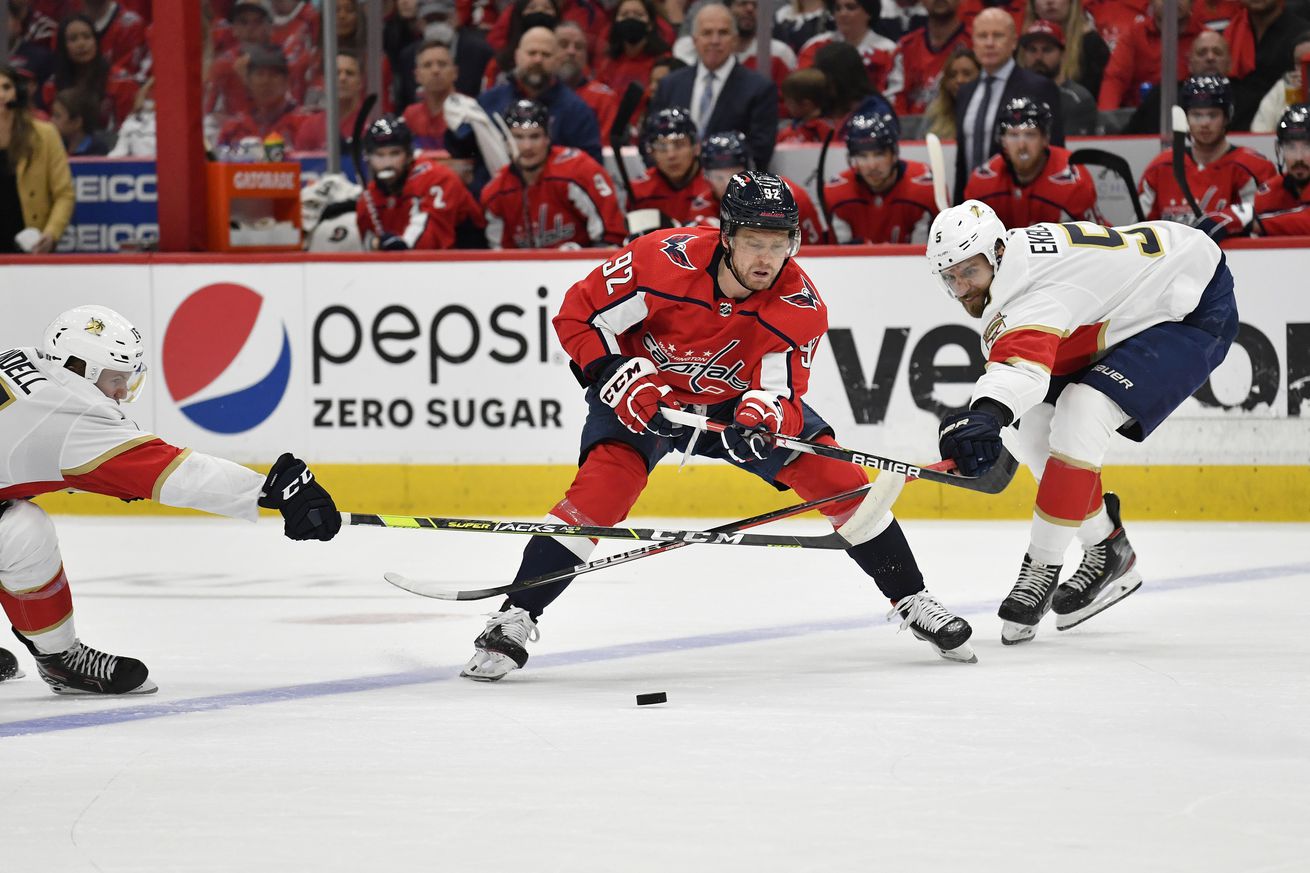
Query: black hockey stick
<point>819,183</point>
<point>652,534</point>
<point>991,482</point>
<point>1179,118</point>
<point>619,134</point>
<point>357,158</point>
<point>1115,164</point>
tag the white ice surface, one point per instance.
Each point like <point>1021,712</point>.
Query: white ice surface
<point>309,716</point>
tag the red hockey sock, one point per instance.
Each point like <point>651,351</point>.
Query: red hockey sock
<point>39,610</point>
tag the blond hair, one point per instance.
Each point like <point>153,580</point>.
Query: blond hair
<point>1075,28</point>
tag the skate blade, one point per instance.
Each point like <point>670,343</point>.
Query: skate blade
<point>146,687</point>
<point>1012,633</point>
<point>1130,582</point>
<point>962,654</point>
<point>488,667</point>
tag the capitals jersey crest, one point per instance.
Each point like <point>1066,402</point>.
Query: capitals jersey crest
<point>675,247</point>
<point>804,298</point>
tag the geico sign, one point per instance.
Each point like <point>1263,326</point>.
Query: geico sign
<point>115,189</point>
<point>263,180</point>
<point>445,335</point>
<point>870,391</point>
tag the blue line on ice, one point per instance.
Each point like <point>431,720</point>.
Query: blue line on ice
<point>217,702</point>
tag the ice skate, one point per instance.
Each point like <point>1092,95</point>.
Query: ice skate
<point>502,645</point>
<point>81,669</point>
<point>9,668</point>
<point>936,625</point>
<point>1028,601</point>
<point>1107,575</point>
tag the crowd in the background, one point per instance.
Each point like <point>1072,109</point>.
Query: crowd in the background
<point>453,69</point>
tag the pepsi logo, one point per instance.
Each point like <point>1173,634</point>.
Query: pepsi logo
<point>226,358</point>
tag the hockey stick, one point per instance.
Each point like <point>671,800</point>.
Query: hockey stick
<point>652,534</point>
<point>937,163</point>
<point>619,134</point>
<point>1115,164</point>
<point>819,183</point>
<point>1180,168</point>
<point>357,158</point>
<point>991,482</point>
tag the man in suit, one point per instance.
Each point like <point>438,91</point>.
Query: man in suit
<point>994,42</point>
<point>720,93</point>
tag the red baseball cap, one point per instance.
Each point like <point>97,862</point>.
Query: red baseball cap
<point>1043,28</point>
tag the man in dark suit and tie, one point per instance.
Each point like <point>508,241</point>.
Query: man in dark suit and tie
<point>994,42</point>
<point>720,93</point>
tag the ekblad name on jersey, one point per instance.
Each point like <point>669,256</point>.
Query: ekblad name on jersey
<point>658,299</point>
<point>1065,293</point>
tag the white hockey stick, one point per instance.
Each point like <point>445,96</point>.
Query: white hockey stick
<point>937,163</point>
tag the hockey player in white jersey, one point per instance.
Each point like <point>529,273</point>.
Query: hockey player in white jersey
<point>1088,331</point>
<point>61,427</point>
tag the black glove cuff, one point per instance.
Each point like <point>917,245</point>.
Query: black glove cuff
<point>601,369</point>
<point>1001,412</point>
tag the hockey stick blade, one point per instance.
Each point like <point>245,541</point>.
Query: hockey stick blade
<point>994,481</point>
<point>1115,164</point>
<point>937,163</point>
<point>550,529</point>
<point>831,235</point>
<point>884,490</point>
<point>1179,120</point>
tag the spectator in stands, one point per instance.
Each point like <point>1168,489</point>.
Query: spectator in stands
<point>662,68</point>
<point>350,100</point>
<point>401,29</point>
<point>446,119</point>
<point>524,15</point>
<point>721,93</point>
<point>36,188</point>
<point>409,204</point>
<point>1261,38</point>
<point>1270,114</point>
<point>980,101</point>
<point>227,92</point>
<point>435,71</point>
<point>76,115</point>
<point>79,64</point>
<point>1135,61</point>
<point>30,54</point>
<point>120,32</point>
<point>725,154</point>
<point>1041,50</point>
<point>551,197</point>
<point>921,54</point>
<point>633,46</point>
<point>673,184</point>
<point>1208,57</point>
<point>961,67</point>
<point>898,17</point>
<point>1219,174</point>
<point>272,110</point>
<point>536,62</point>
<point>782,60</point>
<point>33,26</point>
<point>573,71</point>
<point>806,96</point>
<point>136,135</point>
<point>796,22</point>
<point>851,89</point>
<point>879,198</point>
<point>854,27</point>
<point>352,37</point>
<point>1085,52</point>
<point>1032,181</point>
<point>469,47</point>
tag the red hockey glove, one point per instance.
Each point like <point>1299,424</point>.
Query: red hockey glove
<point>757,419</point>
<point>633,389</point>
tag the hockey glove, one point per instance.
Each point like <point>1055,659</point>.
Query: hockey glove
<point>750,436</point>
<point>633,389</point>
<point>392,243</point>
<point>972,439</point>
<point>307,509</point>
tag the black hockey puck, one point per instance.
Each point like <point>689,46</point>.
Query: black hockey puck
<point>655,697</point>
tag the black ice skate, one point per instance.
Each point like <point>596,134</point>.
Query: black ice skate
<point>502,645</point>
<point>936,625</point>
<point>81,669</point>
<point>1028,601</point>
<point>9,666</point>
<point>1107,575</point>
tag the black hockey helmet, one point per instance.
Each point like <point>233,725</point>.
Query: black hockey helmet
<point>388,130</point>
<point>724,150</point>
<point>527,113</point>
<point>1207,92</point>
<point>669,122</point>
<point>1023,112</point>
<point>1294,126</point>
<point>870,132</point>
<point>762,200</point>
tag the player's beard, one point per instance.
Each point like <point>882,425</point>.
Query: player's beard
<point>976,306</point>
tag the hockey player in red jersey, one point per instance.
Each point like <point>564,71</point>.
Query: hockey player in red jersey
<point>725,154</point>
<point>1221,175</point>
<point>673,184</point>
<point>880,198</point>
<point>548,196</point>
<point>726,318</point>
<point>1088,331</point>
<point>409,205</point>
<point>1282,205</point>
<point>1031,181</point>
<point>63,428</point>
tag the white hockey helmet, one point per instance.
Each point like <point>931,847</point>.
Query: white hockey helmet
<point>103,340</point>
<point>960,232</point>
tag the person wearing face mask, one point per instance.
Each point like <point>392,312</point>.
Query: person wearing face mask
<point>880,198</point>
<point>1032,181</point>
<point>468,48</point>
<point>632,47</point>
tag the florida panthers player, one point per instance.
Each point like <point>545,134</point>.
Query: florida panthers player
<point>880,198</point>
<point>721,317</point>
<point>1088,331</point>
<point>61,427</point>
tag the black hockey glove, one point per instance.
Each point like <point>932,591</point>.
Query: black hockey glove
<point>306,507</point>
<point>972,439</point>
<point>392,243</point>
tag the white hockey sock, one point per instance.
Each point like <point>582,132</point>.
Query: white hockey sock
<point>1096,528</point>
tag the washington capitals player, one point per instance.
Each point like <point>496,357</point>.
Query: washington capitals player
<point>727,153</point>
<point>879,198</point>
<point>61,428</point>
<point>720,317</point>
<point>674,184</point>
<point>1088,331</point>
